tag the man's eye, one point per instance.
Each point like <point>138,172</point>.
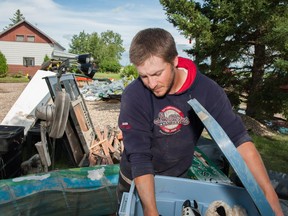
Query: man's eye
<point>157,74</point>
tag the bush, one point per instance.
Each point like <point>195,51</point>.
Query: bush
<point>17,75</point>
<point>129,70</point>
<point>3,65</point>
<point>109,66</point>
<point>46,58</point>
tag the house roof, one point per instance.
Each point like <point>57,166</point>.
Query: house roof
<point>34,27</point>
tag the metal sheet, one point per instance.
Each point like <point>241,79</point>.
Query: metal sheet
<point>35,93</point>
<point>229,150</point>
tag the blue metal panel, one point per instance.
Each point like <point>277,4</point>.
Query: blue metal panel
<point>233,156</point>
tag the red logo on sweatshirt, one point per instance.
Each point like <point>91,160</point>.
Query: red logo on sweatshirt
<point>171,119</point>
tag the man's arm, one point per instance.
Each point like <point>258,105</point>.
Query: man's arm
<point>146,190</point>
<point>255,164</point>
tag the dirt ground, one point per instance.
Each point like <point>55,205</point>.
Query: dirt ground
<point>9,93</point>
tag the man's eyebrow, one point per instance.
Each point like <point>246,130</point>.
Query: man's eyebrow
<point>156,72</point>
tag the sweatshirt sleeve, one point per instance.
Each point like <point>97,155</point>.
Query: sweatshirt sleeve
<point>230,121</point>
<point>218,105</point>
<point>136,126</point>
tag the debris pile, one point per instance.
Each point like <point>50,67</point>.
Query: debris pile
<point>105,89</point>
<point>107,148</point>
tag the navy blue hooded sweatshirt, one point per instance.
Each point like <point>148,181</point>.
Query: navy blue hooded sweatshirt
<point>159,134</point>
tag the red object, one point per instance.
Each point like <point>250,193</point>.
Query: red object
<point>83,79</point>
<point>284,88</point>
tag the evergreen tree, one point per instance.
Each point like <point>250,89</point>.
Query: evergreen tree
<point>243,45</point>
<point>17,17</point>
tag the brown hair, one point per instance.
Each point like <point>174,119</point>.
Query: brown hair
<point>152,42</point>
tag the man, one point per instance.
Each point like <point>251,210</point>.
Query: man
<point>159,127</point>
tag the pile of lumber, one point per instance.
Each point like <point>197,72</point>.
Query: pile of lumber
<point>107,147</point>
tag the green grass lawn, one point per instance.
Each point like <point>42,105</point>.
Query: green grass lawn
<point>274,151</point>
<point>10,79</point>
<point>107,76</point>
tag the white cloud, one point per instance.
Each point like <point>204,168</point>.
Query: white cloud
<point>62,19</point>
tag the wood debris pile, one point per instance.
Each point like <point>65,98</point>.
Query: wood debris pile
<point>107,148</point>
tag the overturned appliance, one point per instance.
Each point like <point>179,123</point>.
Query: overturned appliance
<point>67,116</point>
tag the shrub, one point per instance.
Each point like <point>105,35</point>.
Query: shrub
<point>111,66</point>
<point>3,65</point>
<point>17,75</point>
<point>129,70</point>
<point>46,58</point>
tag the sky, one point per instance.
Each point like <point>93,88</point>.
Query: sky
<point>61,19</point>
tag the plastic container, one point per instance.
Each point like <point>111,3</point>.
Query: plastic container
<point>11,145</point>
<point>11,138</point>
<point>172,192</point>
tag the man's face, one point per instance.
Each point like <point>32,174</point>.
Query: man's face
<point>157,75</point>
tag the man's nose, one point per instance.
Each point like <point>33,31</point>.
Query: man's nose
<point>152,82</point>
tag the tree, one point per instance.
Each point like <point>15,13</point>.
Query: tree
<point>79,43</point>
<point>243,45</point>
<point>3,65</point>
<point>46,58</point>
<point>17,17</point>
<point>129,71</point>
<point>112,41</point>
<point>105,48</point>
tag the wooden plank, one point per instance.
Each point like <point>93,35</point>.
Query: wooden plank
<point>80,117</point>
<point>107,153</point>
<point>74,143</point>
<point>98,133</point>
<point>105,148</point>
<point>117,145</point>
<point>97,143</point>
<point>109,139</point>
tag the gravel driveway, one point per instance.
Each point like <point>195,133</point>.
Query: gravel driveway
<point>102,113</point>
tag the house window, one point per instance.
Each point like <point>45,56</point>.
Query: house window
<point>19,37</point>
<point>31,38</point>
<point>28,61</point>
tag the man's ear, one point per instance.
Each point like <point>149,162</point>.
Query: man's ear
<point>175,61</point>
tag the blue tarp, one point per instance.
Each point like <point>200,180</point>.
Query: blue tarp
<point>77,191</point>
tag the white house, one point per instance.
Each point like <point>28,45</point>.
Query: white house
<point>25,48</point>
